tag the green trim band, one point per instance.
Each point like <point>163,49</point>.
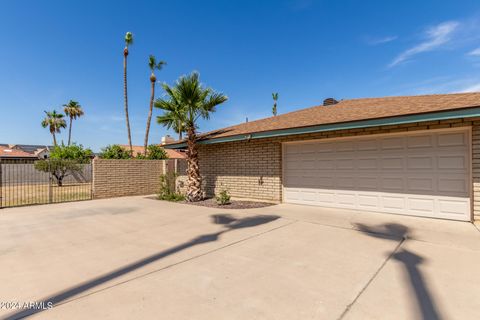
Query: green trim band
<point>443,115</point>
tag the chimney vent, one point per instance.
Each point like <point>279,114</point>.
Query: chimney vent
<point>167,139</point>
<point>329,102</point>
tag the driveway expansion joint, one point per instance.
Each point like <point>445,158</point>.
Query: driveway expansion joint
<point>173,264</point>
<point>395,250</point>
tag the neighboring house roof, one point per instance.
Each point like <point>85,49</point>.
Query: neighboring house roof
<point>348,111</point>
<point>7,152</point>
<point>172,154</point>
<point>32,148</point>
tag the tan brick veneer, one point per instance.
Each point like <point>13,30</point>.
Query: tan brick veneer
<point>253,169</point>
<point>115,178</point>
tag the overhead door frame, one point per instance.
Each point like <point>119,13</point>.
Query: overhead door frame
<point>467,129</point>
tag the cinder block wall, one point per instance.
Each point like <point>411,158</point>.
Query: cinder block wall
<point>116,178</point>
<point>254,169</point>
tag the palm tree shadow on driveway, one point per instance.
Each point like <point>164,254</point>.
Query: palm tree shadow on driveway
<point>229,222</point>
<point>410,262</point>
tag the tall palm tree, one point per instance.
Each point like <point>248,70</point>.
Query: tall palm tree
<point>193,101</point>
<point>54,121</point>
<point>275,98</point>
<point>152,64</point>
<point>128,42</point>
<point>73,110</point>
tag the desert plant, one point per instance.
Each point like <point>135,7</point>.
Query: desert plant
<point>114,152</point>
<point>152,64</point>
<point>223,198</point>
<point>55,122</point>
<point>167,188</point>
<point>191,101</point>
<point>128,42</point>
<point>73,110</point>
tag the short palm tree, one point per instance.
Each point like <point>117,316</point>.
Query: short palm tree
<point>55,122</point>
<point>173,116</point>
<point>274,108</point>
<point>153,65</point>
<point>73,110</point>
<point>192,101</point>
<point>128,42</point>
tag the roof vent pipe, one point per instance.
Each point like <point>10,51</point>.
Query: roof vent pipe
<point>329,102</point>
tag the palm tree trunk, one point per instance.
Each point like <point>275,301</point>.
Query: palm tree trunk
<point>125,54</point>
<point>149,119</point>
<point>194,182</point>
<point>180,130</point>
<point>70,131</point>
<point>54,139</point>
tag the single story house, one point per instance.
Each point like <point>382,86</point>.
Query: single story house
<point>24,151</point>
<point>409,155</point>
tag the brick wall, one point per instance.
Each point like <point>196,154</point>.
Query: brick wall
<point>253,169</point>
<point>476,168</point>
<point>116,178</point>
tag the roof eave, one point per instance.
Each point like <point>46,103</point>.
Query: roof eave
<point>431,116</point>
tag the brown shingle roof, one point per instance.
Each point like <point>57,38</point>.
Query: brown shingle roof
<point>353,110</point>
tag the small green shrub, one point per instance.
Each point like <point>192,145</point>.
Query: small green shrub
<point>223,198</point>
<point>114,152</point>
<point>174,197</point>
<point>167,188</point>
<point>155,152</point>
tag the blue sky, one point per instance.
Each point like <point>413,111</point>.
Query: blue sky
<point>306,50</point>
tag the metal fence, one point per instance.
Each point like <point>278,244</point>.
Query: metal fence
<point>28,182</point>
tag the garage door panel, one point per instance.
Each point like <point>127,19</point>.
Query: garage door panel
<point>325,164</point>
<point>420,141</point>
<point>345,146</point>
<point>451,206</point>
<point>367,182</point>
<point>394,143</point>
<point>392,183</point>
<point>423,185</point>
<point>368,145</point>
<point>454,162</point>
<point>393,202</point>
<point>421,204</point>
<point>367,164</point>
<point>345,164</point>
<point>452,139</point>
<point>392,162</point>
<point>344,182</point>
<point>423,173</point>
<point>453,184</point>
<point>421,162</point>
<point>346,199</point>
<point>368,201</point>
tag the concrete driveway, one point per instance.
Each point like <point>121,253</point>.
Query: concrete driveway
<point>138,258</point>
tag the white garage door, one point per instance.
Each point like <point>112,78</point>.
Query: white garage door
<point>423,174</point>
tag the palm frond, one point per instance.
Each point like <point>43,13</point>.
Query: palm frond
<point>152,62</point>
<point>128,39</point>
<point>187,101</point>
